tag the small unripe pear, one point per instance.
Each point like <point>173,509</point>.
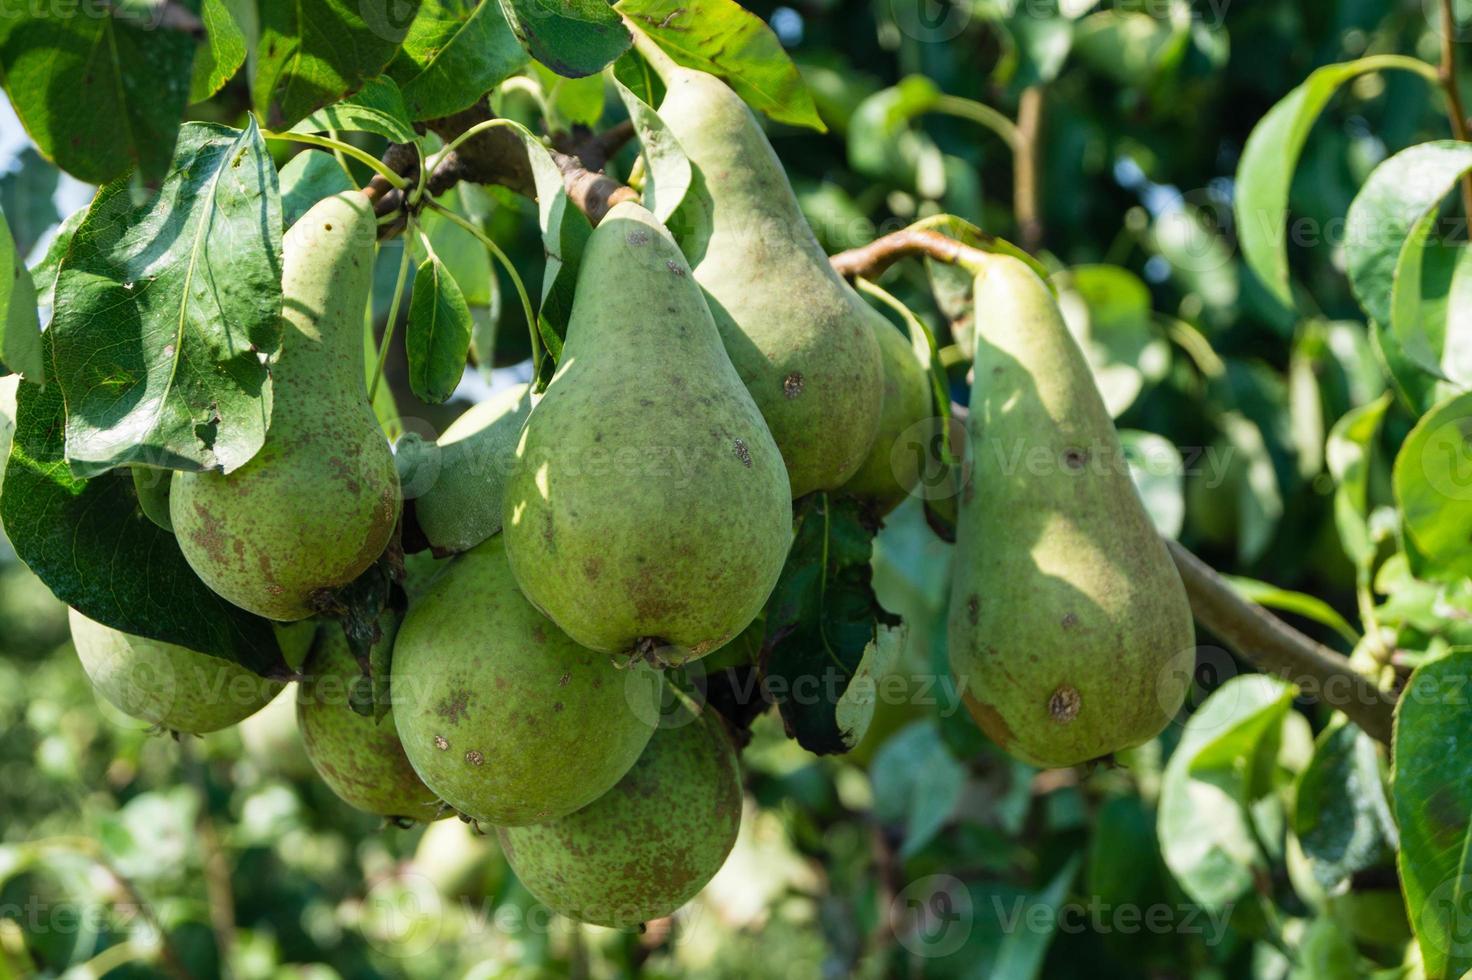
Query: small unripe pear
<point>165,684</point>
<point>650,844</point>
<point>907,423</point>
<point>359,757</point>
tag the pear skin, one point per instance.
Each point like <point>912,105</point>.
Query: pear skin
<point>359,757</point>
<point>1068,622</point>
<point>502,715</point>
<point>648,508</point>
<point>318,504</point>
<point>796,332</point>
<point>650,844</point>
<point>463,507</point>
<point>165,684</point>
<point>908,420</point>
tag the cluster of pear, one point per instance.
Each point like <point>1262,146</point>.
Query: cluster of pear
<point>637,515</point>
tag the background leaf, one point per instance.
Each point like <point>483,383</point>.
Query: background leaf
<point>455,52</point>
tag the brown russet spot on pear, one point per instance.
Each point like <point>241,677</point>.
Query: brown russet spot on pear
<point>636,514</point>
<point>1066,610</point>
<point>317,505</point>
<point>797,334</point>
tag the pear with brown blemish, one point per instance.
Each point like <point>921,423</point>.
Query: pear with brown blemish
<point>1070,632</point>
<point>797,334</point>
<point>318,504</point>
<point>502,715</point>
<point>648,508</point>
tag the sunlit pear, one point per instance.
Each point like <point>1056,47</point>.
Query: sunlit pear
<point>1068,620</point>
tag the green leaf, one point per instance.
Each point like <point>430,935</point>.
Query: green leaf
<point>1265,172</point>
<point>44,272</point>
<point>1433,488</point>
<point>1213,779</point>
<point>1348,454</point>
<point>1385,241</point>
<point>306,179</point>
<point>1108,311</point>
<point>1126,45</point>
<point>822,619</point>
<point>312,53</point>
<point>882,144</point>
<point>438,337</point>
<point>465,257</point>
<point>572,37</point>
<point>378,107</point>
<point>163,311</point>
<point>1432,790</point>
<point>94,548</point>
<point>20,330</point>
<point>570,101</point>
<point>101,91</point>
<point>917,783</point>
<point>28,198</point>
<point>1342,813</point>
<point>455,52</point>
<point>1158,472</point>
<point>1310,607</point>
<point>719,37</point>
<point>222,51</point>
<point>669,174</point>
<point>1023,950</point>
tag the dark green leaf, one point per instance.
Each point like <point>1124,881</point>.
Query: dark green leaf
<point>222,51</point>
<point>438,337</point>
<point>572,37</point>
<point>822,619</point>
<point>28,198</point>
<point>378,107</point>
<point>1432,790</point>
<point>917,783</point>
<point>93,547</point>
<point>312,53</point>
<point>163,312</point>
<point>1342,815</point>
<point>100,91</point>
<point>722,38</point>
<point>455,52</point>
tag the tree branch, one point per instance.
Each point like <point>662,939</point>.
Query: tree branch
<point>869,261</point>
<point>1026,204</point>
<point>1446,72</point>
<point>1277,648</point>
<point>497,156</point>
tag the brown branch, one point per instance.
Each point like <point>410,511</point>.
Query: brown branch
<point>1026,205</point>
<point>498,156</point>
<point>869,261</point>
<point>1277,648</point>
<point>1446,72</point>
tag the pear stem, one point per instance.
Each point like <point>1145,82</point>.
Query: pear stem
<point>393,315</point>
<point>1277,648</point>
<point>501,257</point>
<point>871,260</point>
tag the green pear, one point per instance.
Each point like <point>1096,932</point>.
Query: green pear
<point>1068,622</point>
<point>502,715</point>
<point>318,504</point>
<point>648,508</point>
<point>895,462</point>
<point>647,846</point>
<point>797,334</point>
<point>463,506</point>
<point>359,757</point>
<point>167,685</point>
